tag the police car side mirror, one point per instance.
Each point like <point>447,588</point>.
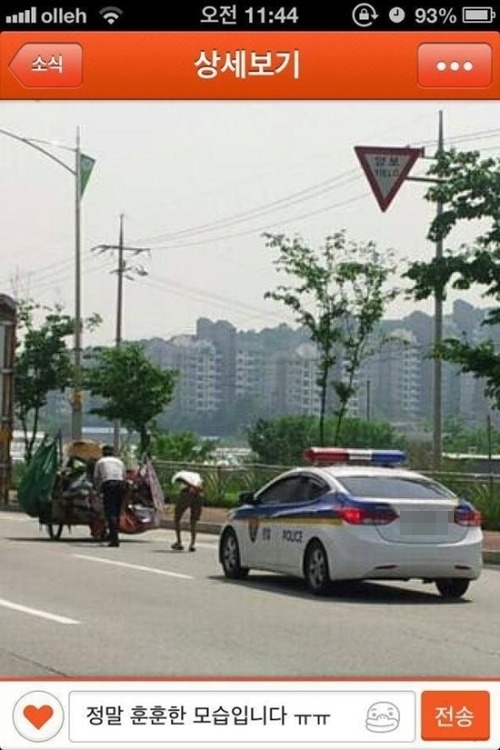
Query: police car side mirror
<point>246,498</point>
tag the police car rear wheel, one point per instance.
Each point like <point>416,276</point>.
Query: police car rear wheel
<point>230,557</point>
<point>452,588</point>
<point>316,569</point>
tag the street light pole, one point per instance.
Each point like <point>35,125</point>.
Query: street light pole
<point>32,143</point>
<point>80,182</point>
<point>76,402</point>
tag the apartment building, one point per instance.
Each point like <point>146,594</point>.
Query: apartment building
<point>278,369</point>
<point>251,373</point>
<point>389,381</point>
<point>294,381</point>
<point>198,363</point>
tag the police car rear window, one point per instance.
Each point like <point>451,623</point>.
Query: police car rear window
<point>394,488</point>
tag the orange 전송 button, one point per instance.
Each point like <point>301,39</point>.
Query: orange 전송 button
<point>48,65</point>
<point>455,715</point>
<point>455,65</point>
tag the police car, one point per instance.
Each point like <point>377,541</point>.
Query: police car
<point>355,514</point>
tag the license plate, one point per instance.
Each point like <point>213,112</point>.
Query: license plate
<point>424,522</point>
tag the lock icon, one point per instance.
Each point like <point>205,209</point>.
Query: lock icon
<point>364,14</point>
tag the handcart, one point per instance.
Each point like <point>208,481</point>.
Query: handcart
<point>58,489</point>
<point>74,500</point>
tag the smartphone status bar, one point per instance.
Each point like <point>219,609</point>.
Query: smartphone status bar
<point>377,15</point>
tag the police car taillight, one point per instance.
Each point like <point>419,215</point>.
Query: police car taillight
<point>466,516</point>
<point>377,516</point>
<point>348,455</point>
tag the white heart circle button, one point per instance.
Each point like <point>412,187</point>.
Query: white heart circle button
<point>38,716</point>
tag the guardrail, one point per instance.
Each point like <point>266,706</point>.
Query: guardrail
<point>222,484</point>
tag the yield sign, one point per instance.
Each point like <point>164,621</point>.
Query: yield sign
<point>386,168</point>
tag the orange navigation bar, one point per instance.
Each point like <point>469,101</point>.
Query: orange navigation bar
<point>249,65</point>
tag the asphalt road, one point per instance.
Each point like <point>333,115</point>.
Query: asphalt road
<point>77,608</point>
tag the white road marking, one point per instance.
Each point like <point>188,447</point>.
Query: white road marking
<point>38,613</point>
<point>134,567</point>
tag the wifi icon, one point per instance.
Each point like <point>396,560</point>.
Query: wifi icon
<point>111,14</point>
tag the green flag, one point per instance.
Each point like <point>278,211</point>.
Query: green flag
<point>86,167</point>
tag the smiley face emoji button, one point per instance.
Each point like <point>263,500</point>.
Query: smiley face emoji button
<point>382,717</point>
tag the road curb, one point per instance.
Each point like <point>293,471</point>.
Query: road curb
<point>490,556</point>
<point>201,527</point>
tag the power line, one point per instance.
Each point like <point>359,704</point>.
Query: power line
<point>202,295</point>
<point>261,229</point>
<point>306,194</point>
<point>63,276</point>
<point>314,191</point>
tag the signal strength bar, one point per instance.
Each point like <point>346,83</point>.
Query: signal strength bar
<point>26,16</point>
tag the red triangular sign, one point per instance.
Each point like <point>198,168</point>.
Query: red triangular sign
<point>386,169</point>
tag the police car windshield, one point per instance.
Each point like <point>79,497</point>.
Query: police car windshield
<point>395,487</point>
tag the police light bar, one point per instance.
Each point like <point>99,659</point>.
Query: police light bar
<point>348,455</point>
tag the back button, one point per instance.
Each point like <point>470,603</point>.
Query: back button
<point>48,65</point>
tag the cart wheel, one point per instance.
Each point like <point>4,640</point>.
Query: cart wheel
<point>55,530</point>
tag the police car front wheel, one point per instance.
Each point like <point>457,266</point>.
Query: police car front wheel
<point>316,569</point>
<point>230,556</point>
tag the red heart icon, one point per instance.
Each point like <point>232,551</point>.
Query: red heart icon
<point>38,716</point>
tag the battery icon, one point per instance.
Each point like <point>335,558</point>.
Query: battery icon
<point>478,15</point>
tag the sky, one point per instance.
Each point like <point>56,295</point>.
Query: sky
<point>198,183</point>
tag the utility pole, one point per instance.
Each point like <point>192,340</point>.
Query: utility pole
<point>119,297</point>
<point>119,316</point>
<point>437,443</point>
<point>123,270</point>
<point>437,406</point>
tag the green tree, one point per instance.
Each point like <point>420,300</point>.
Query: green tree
<point>338,294</point>
<point>134,390</point>
<point>469,189</point>
<point>283,440</point>
<point>43,363</point>
<point>184,446</point>
<point>362,433</point>
<point>459,437</point>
